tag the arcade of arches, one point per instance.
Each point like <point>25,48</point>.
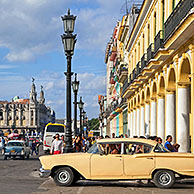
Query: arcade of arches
<point>164,104</point>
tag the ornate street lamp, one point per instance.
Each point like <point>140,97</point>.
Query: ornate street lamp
<point>68,40</point>
<point>81,105</point>
<point>75,85</point>
<point>68,22</point>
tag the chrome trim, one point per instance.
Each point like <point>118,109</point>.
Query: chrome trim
<point>44,173</point>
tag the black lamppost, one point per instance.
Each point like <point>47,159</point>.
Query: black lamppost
<point>69,41</point>
<point>75,85</point>
<point>81,105</point>
<point>84,116</point>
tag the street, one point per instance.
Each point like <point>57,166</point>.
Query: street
<point>21,176</point>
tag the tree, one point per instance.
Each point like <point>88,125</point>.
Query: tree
<point>93,124</point>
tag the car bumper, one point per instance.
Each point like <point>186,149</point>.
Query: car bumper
<point>44,173</point>
<point>13,154</point>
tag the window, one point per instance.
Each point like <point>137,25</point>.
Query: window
<point>137,148</point>
<point>55,128</point>
<point>95,149</point>
<point>111,148</point>
<point>160,148</point>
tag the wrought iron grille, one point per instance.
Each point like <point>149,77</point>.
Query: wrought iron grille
<point>180,11</point>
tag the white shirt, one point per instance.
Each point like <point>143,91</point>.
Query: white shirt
<point>57,145</point>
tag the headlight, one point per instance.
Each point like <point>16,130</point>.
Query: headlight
<point>22,152</point>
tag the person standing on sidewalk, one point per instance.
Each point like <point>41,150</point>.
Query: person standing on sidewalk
<point>57,146</point>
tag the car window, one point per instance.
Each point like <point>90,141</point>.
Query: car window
<point>160,148</point>
<point>111,148</point>
<point>136,148</point>
<point>94,149</point>
<point>15,144</point>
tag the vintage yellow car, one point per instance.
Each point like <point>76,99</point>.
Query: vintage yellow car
<point>120,159</point>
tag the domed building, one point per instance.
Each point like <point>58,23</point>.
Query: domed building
<point>25,115</point>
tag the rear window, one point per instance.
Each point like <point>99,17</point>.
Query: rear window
<point>55,128</point>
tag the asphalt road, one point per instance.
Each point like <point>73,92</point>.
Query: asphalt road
<point>21,177</point>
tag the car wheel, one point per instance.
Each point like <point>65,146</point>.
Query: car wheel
<point>22,157</point>
<point>164,179</point>
<point>64,176</point>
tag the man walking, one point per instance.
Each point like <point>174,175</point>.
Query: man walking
<point>57,146</point>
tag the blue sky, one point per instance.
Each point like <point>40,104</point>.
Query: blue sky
<point>30,46</point>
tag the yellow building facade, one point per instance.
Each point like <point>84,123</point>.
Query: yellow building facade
<point>160,85</point>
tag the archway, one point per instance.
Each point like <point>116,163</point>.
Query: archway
<point>153,115</point>
<point>161,108</point>
<point>147,112</point>
<point>184,106</point>
<point>171,104</point>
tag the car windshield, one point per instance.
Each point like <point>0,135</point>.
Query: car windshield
<point>160,148</point>
<point>94,149</point>
<point>15,144</point>
<point>55,129</point>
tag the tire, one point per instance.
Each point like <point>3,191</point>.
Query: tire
<point>64,176</point>
<point>164,179</point>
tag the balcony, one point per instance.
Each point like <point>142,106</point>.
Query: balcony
<point>138,68</point>
<point>150,52</point>
<point>125,86</point>
<point>175,18</point>
<point>158,41</point>
<point>123,72</point>
<point>134,73</point>
<point>143,61</point>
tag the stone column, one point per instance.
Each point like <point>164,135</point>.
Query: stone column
<point>134,123</point>
<point>147,119</point>
<point>153,120</point>
<point>34,117</point>
<point>5,119</point>
<point>183,118</point>
<point>142,131</point>
<point>131,134</point>
<point>171,115</point>
<point>138,122</point>
<point>129,123</point>
<point>161,118</point>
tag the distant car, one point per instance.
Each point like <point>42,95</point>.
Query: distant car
<point>120,159</point>
<point>16,148</point>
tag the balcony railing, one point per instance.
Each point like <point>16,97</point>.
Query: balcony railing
<point>138,68</point>
<point>150,52</point>
<point>180,11</point>
<point>125,86</point>
<point>158,41</point>
<point>143,61</point>
<point>134,73</point>
<point>130,79</point>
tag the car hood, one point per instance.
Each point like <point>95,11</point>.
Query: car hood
<point>15,148</point>
<point>62,159</point>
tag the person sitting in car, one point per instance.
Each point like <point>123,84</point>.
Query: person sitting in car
<point>113,149</point>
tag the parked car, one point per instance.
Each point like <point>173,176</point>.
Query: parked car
<point>16,148</point>
<point>134,159</point>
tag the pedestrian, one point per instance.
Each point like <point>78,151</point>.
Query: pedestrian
<point>168,144</point>
<point>93,140</point>
<point>126,136</point>
<point>78,144</point>
<point>37,148</point>
<point>3,142</point>
<point>33,147</point>
<point>113,135</point>
<point>56,146</point>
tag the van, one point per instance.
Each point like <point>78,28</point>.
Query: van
<point>51,129</point>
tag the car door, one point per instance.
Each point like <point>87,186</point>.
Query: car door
<point>139,165</point>
<point>106,165</point>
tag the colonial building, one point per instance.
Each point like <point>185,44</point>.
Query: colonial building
<point>159,87</point>
<point>25,115</point>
